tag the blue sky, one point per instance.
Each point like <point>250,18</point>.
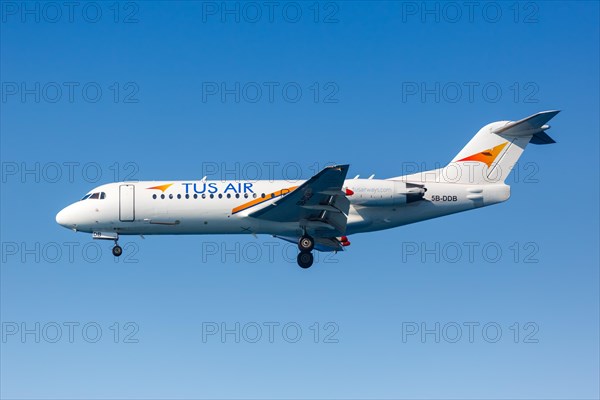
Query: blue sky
<point>148,90</point>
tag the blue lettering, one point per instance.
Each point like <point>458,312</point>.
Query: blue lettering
<point>200,191</point>
<point>230,187</point>
<point>212,187</point>
<point>186,187</point>
<point>248,187</point>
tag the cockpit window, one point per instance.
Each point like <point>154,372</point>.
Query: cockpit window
<point>97,195</point>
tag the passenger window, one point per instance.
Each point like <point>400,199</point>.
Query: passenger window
<point>154,196</point>
<point>228,195</point>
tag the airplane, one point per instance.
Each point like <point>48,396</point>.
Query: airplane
<point>319,213</point>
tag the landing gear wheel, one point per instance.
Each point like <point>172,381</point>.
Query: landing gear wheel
<point>117,250</point>
<point>305,259</point>
<point>306,243</point>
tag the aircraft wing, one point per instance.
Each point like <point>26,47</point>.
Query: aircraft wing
<point>319,204</point>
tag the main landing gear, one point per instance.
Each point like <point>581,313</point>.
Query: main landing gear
<point>305,258</point>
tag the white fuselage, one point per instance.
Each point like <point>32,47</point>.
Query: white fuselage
<point>186,207</point>
<point>320,212</point>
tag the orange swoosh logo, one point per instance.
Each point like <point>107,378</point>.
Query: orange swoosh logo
<point>161,187</point>
<point>487,156</point>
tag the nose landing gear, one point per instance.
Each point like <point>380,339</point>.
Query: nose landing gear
<point>117,250</point>
<point>305,258</point>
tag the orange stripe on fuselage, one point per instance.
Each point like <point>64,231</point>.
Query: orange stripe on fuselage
<point>269,196</point>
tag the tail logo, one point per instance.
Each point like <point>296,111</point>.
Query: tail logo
<point>487,156</point>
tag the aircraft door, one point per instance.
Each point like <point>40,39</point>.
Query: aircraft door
<point>127,203</point>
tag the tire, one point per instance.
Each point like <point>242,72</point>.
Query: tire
<point>117,251</point>
<point>305,259</point>
<point>306,243</point>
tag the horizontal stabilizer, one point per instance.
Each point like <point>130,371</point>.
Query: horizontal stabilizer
<point>531,125</point>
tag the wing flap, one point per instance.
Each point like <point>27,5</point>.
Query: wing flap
<point>321,207</point>
<point>333,192</point>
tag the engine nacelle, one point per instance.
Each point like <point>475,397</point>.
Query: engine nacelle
<point>385,193</point>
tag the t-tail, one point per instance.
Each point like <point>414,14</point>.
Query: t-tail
<point>491,154</point>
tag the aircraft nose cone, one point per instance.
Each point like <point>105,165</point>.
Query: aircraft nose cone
<point>63,218</point>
